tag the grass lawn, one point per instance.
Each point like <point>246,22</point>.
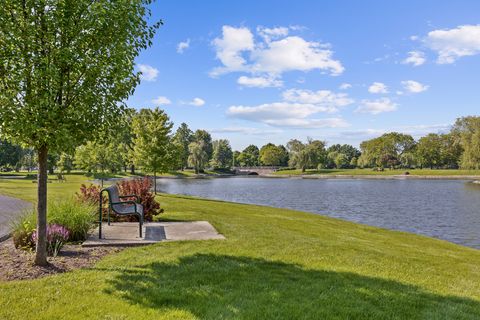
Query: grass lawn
<point>387,172</point>
<point>275,264</point>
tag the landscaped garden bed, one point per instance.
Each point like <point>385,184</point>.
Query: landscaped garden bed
<point>18,264</point>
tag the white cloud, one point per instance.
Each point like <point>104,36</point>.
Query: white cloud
<point>377,87</point>
<point>229,49</point>
<point>149,73</point>
<point>161,100</point>
<point>327,99</point>
<point>415,58</point>
<point>345,86</point>
<point>296,109</point>
<point>182,46</point>
<point>414,86</point>
<point>259,82</point>
<point>272,33</point>
<point>451,44</point>
<point>377,106</point>
<point>277,53</point>
<point>245,130</point>
<point>197,102</point>
<point>294,53</point>
<point>309,123</point>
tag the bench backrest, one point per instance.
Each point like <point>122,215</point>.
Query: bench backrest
<point>113,193</point>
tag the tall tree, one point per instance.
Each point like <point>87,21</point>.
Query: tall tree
<point>206,138</point>
<point>272,155</point>
<point>198,156</point>
<point>466,130</point>
<point>182,139</point>
<point>222,154</point>
<point>65,68</point>
<point>306,155</point>
<point>429,151</point>
<point>10,154</point>
<point>153,147</point>
<point>249,157</point>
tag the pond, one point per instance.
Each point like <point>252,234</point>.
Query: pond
<point>444,209</point>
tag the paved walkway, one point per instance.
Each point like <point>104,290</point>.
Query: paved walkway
<point>126,233</point>
<point>10,209</point>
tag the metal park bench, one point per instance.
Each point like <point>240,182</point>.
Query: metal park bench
<point>125,207</point>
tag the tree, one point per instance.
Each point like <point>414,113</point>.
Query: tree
<point>198,156</point>
<point>65,162</point>
<point>222,154</point>
<point>466,132</point>
<point>306,155</point>
<point>206,138</point>
<point>347,150</point>
<point>386,150</point>
<point>66,67</point>
<point>249,157</point>
<point>153,147</point>
<point>10,155</point>
<point>429,151</point>
<point>182,138</point>
<point>272,155</point>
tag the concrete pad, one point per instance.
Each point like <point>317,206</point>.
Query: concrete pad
<point>126,233</point>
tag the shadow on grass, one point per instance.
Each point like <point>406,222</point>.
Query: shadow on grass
<point>225,287</point>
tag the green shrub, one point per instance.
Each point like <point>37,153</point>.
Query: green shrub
<point>78,217</point>
<point>22,230</point>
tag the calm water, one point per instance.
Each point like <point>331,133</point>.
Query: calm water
<point>445,209</point>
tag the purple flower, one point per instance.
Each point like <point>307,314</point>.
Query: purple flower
<point>57,235</point>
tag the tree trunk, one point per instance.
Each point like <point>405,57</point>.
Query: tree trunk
<point>155,182</point>
<point>132,169</point>
<point>41,245</point>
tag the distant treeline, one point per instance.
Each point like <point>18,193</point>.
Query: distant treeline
<point>146,140</point>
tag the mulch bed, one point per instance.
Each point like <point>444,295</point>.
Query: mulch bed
<point>16,264</point>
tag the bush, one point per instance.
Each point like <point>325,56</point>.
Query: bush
<point>142,188</point>
<point>57,235</point>
<point>22,231</point>
<point>77,216</point>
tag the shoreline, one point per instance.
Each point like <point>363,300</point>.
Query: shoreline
<point>475,178</point>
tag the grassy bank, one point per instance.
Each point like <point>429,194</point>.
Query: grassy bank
<point>387,172</point>
<point>275,264</point>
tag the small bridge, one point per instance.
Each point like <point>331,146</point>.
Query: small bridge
<point>255,171</point>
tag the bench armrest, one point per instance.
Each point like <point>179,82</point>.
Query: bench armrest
<point>131,196</point>
<point>126,202</point>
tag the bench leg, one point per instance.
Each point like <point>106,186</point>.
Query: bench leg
<point>140,219</point>
<point>108,216</point>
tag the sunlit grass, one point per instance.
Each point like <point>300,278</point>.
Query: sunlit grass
<point>274,264</point>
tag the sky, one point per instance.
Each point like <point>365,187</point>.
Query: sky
<point>339,71</point>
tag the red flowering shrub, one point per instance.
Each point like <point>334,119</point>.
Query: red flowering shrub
<point>91,194</point>
<point>141,188</point>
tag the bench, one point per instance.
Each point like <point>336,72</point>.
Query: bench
<point>120,207</point>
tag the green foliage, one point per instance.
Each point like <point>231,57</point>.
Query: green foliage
<point>78,217</point>
<point>22,230</point>
<point>206,138</point>
<point>344,156</point>
<point>249,157</point>
<point>10,155</point>
<point>386,150</point>
<point>467,133</point>
<point>222,154</point>
<point>272,155</point>
<point>182,138</point>
<point>65,163</point>
<point>198,156</point>
<point>306,155</point>
<point>153,148</point>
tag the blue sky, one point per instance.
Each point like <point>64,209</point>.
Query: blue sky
<point>339,71</point>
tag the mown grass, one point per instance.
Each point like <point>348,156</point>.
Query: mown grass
<point>274,264</point>
<point>386,172</point>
